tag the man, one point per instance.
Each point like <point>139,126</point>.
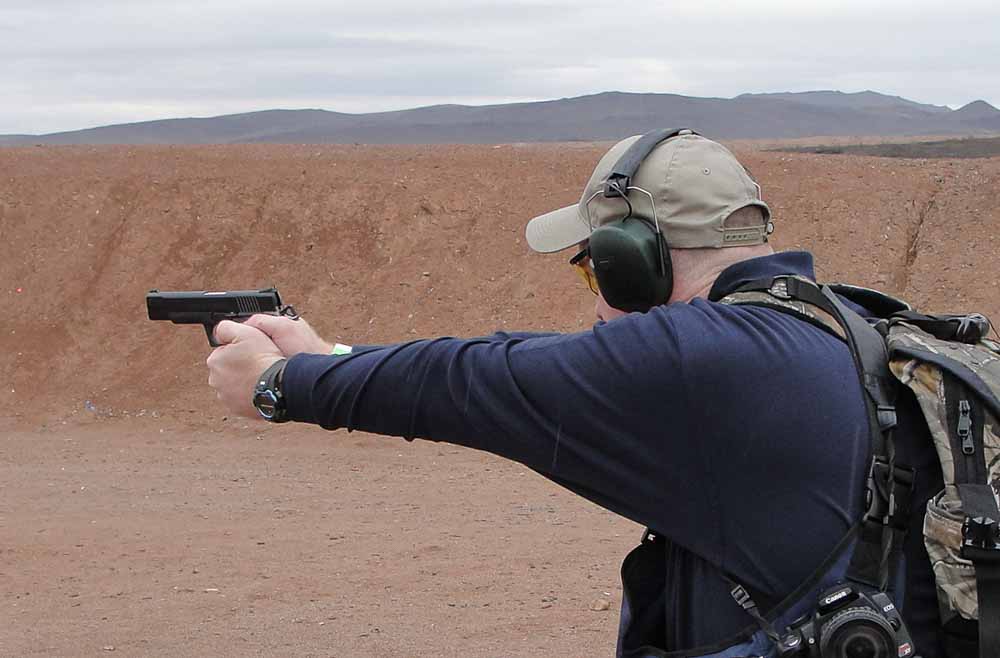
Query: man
<point>738,434</point>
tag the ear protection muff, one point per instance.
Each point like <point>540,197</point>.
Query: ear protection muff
<point>630,256</point>
<point>632,264</point>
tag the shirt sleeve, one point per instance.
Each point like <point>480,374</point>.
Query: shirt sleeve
<point>573,407</point>
<point>498,336</point>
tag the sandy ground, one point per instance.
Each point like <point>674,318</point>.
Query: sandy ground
<point>151,540</point>
<point>137,519</point>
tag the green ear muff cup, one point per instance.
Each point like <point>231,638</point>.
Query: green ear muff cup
<point>627,261</point>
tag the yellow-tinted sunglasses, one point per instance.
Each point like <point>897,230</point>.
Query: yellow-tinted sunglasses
<point>585,268</point>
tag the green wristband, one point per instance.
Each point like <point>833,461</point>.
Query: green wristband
<point>339,349</point>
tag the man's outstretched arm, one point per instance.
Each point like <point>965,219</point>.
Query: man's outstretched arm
<point>587,410</point>
<point>602,412</point>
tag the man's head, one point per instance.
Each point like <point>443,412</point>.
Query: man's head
<point>700,197</point>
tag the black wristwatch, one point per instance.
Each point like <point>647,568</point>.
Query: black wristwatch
<point>267,395</point>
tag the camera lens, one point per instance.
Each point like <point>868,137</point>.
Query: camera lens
<point>860,643</point>
<point>858,633</point>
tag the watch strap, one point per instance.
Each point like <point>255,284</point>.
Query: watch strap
<point>270,381</point>
<point>272,377</point>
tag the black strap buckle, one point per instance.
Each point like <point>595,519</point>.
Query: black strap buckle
<point>791,286</point>
<point>742,597</point>
<point>886,416</point>
<point>745,601</point>
<point>877,499</point>
<point>890,493</point>
<point>901,497</point>
<point>972,328</point>
<point>980,539</point>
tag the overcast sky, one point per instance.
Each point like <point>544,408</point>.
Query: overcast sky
<point>69,64</point>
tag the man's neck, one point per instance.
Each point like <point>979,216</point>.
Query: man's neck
<point>695,270</point>
<point>686,290</point>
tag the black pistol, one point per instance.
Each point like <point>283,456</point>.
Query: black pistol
<point>210,308</point>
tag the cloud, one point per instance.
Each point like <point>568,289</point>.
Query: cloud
<point>67,65</point>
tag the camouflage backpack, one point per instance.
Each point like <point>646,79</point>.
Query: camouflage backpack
<point>953,369</point>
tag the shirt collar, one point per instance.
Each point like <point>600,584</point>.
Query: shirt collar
<point>743,272</point>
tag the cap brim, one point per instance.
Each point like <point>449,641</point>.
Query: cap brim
<point>556,230</point>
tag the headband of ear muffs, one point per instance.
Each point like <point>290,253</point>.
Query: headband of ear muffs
<point>630,256</point>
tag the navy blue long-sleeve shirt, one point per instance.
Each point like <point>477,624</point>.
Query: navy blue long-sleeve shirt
<point>737,432</point>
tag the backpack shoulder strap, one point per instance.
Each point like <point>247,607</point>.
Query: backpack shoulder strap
<point>889,487</point>
<point>773,294</point>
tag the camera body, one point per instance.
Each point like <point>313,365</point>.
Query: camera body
<point>848,623</point>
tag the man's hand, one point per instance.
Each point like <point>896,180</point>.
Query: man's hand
<point>234,367</point>
<point>291,336</point>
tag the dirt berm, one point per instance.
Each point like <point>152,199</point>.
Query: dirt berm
<point>389,243</point>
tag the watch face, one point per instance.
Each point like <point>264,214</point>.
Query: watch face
<point>266,403</point>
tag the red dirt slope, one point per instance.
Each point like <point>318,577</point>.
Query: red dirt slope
<point>389,243</point>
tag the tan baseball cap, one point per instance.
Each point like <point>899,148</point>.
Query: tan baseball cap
<point>695,184</point>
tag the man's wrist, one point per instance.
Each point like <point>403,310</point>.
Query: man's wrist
<point>268,395</point>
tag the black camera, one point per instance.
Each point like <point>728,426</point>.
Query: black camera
<point>849,624</point>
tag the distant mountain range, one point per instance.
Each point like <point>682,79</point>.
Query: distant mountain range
<point>605,116</point>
